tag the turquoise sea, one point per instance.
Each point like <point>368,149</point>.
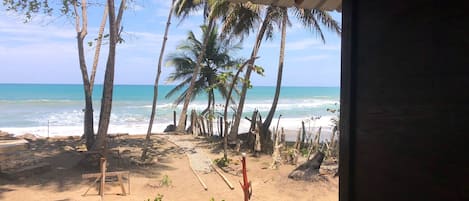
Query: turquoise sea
<point>56,109</point>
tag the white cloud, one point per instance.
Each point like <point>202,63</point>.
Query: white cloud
<point>17,30</point>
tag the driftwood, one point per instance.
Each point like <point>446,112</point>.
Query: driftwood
<point>276,159</point>
<point>308,170</point>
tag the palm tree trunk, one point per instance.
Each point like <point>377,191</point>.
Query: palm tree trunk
<point>157,80</point>
<point>98,47</point>
<point>182,125</point>
<point>242,98</point>
<point>268,119</point>
<point>81,34</point>
<point>209,104</point>
<point>225,110</point>
<point>106,100</point>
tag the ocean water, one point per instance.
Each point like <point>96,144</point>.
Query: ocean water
<point>56,109</point>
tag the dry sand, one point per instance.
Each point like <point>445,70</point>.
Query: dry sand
<point>63,182</point>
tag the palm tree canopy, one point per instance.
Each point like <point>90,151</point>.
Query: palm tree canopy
<point>216,61</point>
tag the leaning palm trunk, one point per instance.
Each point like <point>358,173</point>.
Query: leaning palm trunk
<point>155,88</point>
<point>106,100</point>
<point>242,98</point>
<point>227,102</point>
<point>182,123</point>
<point>268,119</point>
<point>98,48</point>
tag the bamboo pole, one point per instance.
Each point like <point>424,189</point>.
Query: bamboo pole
<point>223,177</point>
<point>197,175</point>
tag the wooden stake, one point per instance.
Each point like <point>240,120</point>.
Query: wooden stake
<point>174,117</point>
<point>303,138</point>
<point>223,177</point>
<point>103,177</point>
<point>221,126</point>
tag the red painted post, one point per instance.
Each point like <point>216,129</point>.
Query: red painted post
<point>246,186</point>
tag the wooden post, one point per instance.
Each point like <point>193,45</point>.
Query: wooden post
<point>102,165</point>
<point>276,152</point>
<point>221,126</point>
<point>202,122</point>
<point>192,128</point>
<point>303,138</point>
<point>174,118</point>
<point>185,123</point>
<point>282,138</point>
<point>298,140</point>
<point>331,145</point>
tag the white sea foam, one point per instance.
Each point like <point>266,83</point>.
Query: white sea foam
<point>291,127</point>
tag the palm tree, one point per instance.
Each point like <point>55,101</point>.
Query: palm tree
<point>157,79</point>
<point>213,9</point>
<point>216,61</point>
<point>311,19</point>
<point>266,27</point>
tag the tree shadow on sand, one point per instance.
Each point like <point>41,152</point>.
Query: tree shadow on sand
<point>65,170</point>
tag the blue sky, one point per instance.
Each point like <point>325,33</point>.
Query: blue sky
<point>44,50</point>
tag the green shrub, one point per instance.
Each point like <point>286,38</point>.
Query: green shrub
<point>159,197</point>
<point>166,181</point>
<point>221,162</point>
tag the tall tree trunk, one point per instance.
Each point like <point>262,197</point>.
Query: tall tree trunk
<point>81,34</point>
<point>106,100</point>
<point>98,48</point>
<point>182,125</point>
<point>268,119</point>
<point>242,98</point>
<point>157,80</point>
<point>225,110</point>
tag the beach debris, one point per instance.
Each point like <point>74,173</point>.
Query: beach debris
<point>276,156</point>
<point>81,148</point>
<point>68,148</point>
<point>27,136</point>
<point>308,170</point>
<point>170,128</point>
<point>6,136</point>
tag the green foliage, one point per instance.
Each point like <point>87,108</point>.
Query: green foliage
<point>32,7</point>
<point>259,70</point>
<point>221,162</point>
<point>215,69</point>
<point>159,197</point>
<point>166,181</point>
<point>304,152</point>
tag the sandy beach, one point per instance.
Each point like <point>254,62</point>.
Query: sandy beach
<point>167,173</point>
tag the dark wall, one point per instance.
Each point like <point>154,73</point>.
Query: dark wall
<point>405,101</point>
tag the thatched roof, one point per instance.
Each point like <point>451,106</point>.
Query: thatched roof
<point>329,5</point>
